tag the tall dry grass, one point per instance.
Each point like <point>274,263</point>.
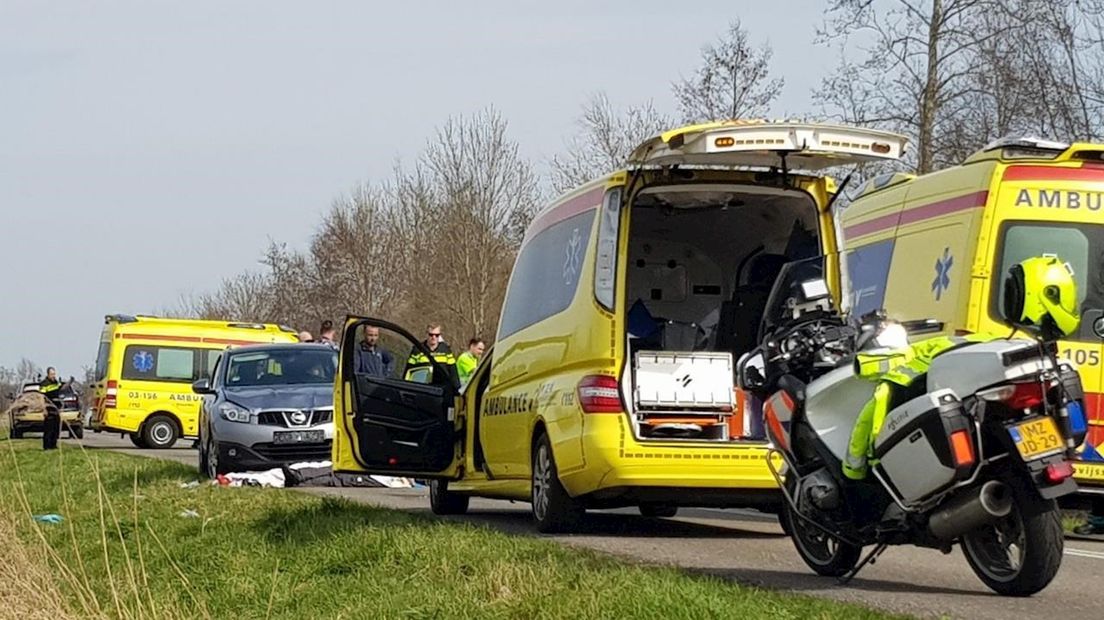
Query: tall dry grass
<point>44,578</point>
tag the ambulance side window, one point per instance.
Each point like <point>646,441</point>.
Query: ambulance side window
<point>546,275</point>
<point>867,274</point>
<point>1079,244</point>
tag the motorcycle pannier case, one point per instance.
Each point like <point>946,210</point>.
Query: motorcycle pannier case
<point>913,449</point>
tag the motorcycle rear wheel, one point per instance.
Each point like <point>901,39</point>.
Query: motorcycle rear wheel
<point>1019,554</point>
<point>824,554</point>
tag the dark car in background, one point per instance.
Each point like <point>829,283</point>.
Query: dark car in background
<point>266,406</point>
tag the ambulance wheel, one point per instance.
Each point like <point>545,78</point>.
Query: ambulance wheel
<point>445,502</point>
<point>658,510</point>
<point>160,432</point>
<point>1019,554</point>
<point>136,439</point>
<point>553,509</point>
<point>822,553</point>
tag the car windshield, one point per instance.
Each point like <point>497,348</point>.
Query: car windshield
<point>792,289</point>
<point>281,367</point>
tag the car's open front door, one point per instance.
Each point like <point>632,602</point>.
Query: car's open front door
<point>394,405</point>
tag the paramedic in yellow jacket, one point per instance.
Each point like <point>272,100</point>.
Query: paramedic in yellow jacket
<point>1040,295</point>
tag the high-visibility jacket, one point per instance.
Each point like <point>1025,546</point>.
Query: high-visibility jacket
<point>898,367</point>
<point>442,355</point>
<point>52,390</point>
<point>465,365</point>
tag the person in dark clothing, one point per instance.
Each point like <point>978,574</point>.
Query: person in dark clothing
<point>51,424</point>
<point>372,359</point>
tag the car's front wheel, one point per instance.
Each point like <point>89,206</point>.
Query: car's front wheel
<point>76,431</point>
<point>216,466</point>
<point>445,502</point>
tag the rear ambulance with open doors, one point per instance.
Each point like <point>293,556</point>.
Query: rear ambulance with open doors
<point>939,247</point>
<point>610,382</point>
<point>145,367</point>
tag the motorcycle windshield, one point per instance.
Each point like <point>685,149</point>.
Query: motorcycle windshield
<point>796,291</point>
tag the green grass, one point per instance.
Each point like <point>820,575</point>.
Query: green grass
<point>124,551</point>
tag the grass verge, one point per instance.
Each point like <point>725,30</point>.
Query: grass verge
<point>125,550</point>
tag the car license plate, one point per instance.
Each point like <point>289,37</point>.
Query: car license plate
<point>284,437</point>
<point>1036,438</point>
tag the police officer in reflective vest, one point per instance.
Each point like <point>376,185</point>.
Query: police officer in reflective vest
<point>51,423</point>
<point>440,351</point>
<point>1039,292</point>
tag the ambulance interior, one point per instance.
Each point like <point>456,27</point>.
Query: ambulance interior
<point>701,264</point>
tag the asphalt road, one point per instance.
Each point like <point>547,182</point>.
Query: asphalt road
<point>751,548</point>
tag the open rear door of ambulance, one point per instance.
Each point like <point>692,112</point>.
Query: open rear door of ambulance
<point>394,405</point>
<point>762,144</point>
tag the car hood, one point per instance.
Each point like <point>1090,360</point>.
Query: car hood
<point>282,397</point>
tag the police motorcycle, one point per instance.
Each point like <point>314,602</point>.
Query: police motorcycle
<point>974,451</point>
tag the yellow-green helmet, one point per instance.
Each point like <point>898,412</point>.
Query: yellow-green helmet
<point>1040,292</point>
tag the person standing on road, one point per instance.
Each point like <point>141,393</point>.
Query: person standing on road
<point>305,336</point>
<point>370,358</point>
<point>51,423</point>
<point>327,334</point>
<point>440,351</point>
<point>469,360</point>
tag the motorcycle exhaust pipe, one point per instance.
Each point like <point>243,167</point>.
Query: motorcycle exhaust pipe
<point>971,510</point>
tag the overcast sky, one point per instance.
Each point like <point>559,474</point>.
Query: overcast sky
<point>149,149</point>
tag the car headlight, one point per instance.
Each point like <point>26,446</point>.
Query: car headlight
<point>234,413</point>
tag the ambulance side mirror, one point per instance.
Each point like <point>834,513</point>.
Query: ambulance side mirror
<point>751,371</point>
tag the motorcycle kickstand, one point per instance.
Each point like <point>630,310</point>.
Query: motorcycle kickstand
<point>871,558</point>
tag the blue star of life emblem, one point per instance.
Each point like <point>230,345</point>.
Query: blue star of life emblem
<point>942,279</point>
<point>143,361</point>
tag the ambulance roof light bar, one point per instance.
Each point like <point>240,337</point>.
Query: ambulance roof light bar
<point>1030,142</point>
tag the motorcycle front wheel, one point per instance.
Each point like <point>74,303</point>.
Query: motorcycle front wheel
<point>1019,554</point>
<point>824,554</point>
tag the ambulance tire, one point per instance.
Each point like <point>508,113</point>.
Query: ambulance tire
<point>136,439</point>
<point>160,432</point>
<point>554,510</point>
<point>445,502</point>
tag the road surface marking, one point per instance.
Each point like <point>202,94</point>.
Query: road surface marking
<point>1083,553</point>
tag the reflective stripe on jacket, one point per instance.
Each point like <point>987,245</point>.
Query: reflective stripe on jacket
<point>899,367</point>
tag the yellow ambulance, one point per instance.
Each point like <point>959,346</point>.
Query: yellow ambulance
<point>610,383</point>
<point>939,246</point>
<point>145,368</point>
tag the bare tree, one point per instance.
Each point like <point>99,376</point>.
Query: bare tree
<point>958,73</point>
<point>606,138</point>
<point>484,194</point>
<point>733,80</point>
